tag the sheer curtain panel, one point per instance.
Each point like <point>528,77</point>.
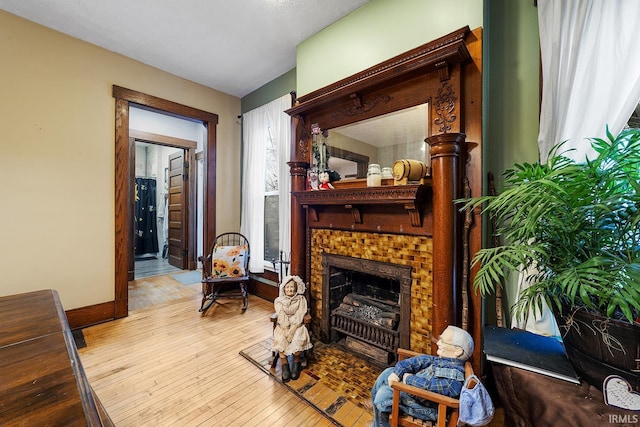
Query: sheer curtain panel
<point>255,127</point>
<point>590,71</point>
<point>590,80</point>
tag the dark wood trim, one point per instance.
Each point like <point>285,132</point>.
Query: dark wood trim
<point>91,315</point>
<point>264,290</point>
<point>433,56</point>
<point>169,141</point>
<point>124,174</point>
<point>123,216</point>
<point>410,199</point>
<point>163,105</point>
<point>446,153</point>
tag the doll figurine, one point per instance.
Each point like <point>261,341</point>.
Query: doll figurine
<point>290,336</point>
<point>324,181</point>
<point>443,374</point>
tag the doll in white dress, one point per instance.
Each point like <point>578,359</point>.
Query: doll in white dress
<point>290,336</point>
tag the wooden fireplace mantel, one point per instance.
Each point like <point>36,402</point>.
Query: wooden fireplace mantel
<point>446,74</point>
<point>409,197</point>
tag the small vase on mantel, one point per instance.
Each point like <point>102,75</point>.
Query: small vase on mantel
<point>374,176</point>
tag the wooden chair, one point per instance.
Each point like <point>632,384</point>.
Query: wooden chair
<point>447,406</point>
<point>225,270</point>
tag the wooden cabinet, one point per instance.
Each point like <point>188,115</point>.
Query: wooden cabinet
<point>43,382</point>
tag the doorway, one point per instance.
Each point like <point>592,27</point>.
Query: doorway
<point>124,175</point>
<point>165,205</point>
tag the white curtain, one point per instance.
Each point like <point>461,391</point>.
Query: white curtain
<point>284,176</point>
<point>590,71</point>
<point>255,128</point>
<point>591,79</point>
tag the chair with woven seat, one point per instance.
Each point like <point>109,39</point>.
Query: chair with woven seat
<point>225,270</point>
<point>447,406</point>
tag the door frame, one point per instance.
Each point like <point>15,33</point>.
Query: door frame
<point>125,169</point>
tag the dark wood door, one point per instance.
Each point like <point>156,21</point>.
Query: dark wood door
<point>178,211</point>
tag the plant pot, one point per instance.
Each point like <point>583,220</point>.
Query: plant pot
<point>598,346</point>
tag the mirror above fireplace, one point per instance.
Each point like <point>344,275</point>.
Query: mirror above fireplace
<point>382,140</point>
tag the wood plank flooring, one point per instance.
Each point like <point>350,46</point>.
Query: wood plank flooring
<point>157,290</point>
<point>166,365</point>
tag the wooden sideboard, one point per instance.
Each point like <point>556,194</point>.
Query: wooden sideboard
<point>42,379</point>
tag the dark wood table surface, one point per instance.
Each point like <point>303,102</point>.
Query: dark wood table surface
<point>42,381</point>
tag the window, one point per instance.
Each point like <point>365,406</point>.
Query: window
<point>271,201</point>
<point>266,198</point>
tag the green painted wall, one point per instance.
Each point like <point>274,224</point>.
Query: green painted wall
<point>376,32</point>
<point>511,95</point>
<point>286,83</point>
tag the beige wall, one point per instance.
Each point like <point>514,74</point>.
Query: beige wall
<point>57,159</point>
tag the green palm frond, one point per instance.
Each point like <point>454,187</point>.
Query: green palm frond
<point>577,223</point>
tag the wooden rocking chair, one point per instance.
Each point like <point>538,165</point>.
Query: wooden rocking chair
<point>227,265</point>
<point>447,406</point>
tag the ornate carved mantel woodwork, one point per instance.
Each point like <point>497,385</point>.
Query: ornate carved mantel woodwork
<point>409,197</point>
<point>446,74</point>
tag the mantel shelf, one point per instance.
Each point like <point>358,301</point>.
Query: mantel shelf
<point>410,196</point>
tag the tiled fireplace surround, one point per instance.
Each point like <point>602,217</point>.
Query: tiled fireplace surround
<point>406,250</point>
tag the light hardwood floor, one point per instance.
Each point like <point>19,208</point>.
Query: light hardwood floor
<point>166,365</point>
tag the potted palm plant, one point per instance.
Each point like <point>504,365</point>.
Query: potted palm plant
<point>575,228</point>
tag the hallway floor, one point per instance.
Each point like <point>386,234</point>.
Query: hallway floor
<point>153,267</point>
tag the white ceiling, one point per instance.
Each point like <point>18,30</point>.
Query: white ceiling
<point>234,46</point>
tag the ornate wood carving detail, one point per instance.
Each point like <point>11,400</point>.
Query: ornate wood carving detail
<point>359,108</point>
<point>451,46</point>
<point>303,149</point>
<point>410,197</point>
<point>298,168</point>
<point>443,71</point>
<point>445,105</point>
<point>313,214</point>
<point>414,214</point>
<point>303,145</point>
<point>396,194</point>
<point>355,211</point>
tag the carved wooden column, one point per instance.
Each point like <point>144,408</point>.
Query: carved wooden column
<point>298,220</point>
<point>300,159</point>
<point>445,164</point>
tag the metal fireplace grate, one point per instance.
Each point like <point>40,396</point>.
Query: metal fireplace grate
<point>378,336</point>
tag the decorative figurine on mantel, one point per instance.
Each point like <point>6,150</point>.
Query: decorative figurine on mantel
<point>325,183</point>
<point>320,148</point>
<point>290,335</point>
<point>319,177</point>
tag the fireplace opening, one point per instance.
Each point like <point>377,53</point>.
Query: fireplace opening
<point>366,306</point>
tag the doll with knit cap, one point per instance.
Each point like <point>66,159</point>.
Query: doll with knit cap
<point>290,336</point>
<point>442,374</point>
